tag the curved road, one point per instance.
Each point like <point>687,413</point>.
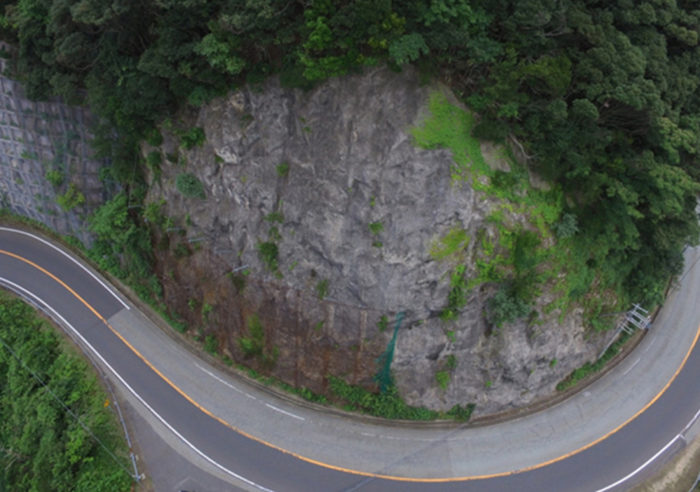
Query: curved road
<point>600,439</point>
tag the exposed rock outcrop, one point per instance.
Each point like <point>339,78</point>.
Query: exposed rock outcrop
<point>323,212</point>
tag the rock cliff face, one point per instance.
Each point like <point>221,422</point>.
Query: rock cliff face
<point>315,232</point>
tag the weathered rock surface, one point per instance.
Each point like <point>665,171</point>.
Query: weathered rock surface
<point>310,172</point>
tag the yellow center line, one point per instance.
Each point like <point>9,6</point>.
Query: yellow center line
<point>340,468</point>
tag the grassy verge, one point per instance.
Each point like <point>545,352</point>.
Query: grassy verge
<point>592,367</point>
<point>389,404</point>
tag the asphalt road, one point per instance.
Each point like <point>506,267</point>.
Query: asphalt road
<point>86,304</point>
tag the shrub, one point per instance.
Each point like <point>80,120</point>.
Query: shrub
<point>193,138</point>
<point>268,253</point>
<point>154,159</point>
<point>154,138</point>
<point>211,344</point>
<point>383,323</point>
<point>322,288</point>
<point>462,413</point>
<point>505,307</point>
<point>72,198</point>
<point>253,344</point>
<point>376,227</point>
<point>388,405</point>
<point>189,185</point>
<point>457,297</point>
<point>282,169</point>
<point>275,217</point>
<point>567,226</point>
<point>443,379</point>
<point>55,177</point>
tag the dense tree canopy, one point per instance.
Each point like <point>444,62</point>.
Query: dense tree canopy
<point>43,388</point>
<point>603,95</point>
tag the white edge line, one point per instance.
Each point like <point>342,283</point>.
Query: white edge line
<point>631,367</point>
<point>690,424</point>
<point>71,259</point>
<point>284,411</point>
<point>679,436</point>
<point>52,312</point>
<point>218,378</point>
<point>646,463</point>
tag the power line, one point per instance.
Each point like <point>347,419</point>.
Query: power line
<point>66,408</point>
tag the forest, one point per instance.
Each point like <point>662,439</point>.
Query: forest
<point>52,412</point>
<point>601,97</point>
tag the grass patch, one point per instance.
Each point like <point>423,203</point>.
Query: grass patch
<point>456,240</point>
<point>443,379</point>
<point>389,405</point>
<point>450,127</point>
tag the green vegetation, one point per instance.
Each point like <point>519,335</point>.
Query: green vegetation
<point>282,169</point>
<point>443,379</point>
<point>375,228</point>
<point>255,345</point>
<point>457,297</point>
<point>72,198</point>
<point>154,159</point>
<point>591,368</point>
<point>388,404</point>
<point>238,280</point>
<point>211,344</point>
<point>55,177</point>
<point>505,307</point>
<point>43,446</point>
<point>268,252</point>
<point>601,99</point>
<point>322,288</point>
<point>189,185</point>
<point>153,137</point>
<point>123,246</point>
<point>275,216</point>
<point>383,323</point>
<point>193,138</point>
<point>206,311</point>
<point>451,127</point>
<point>456,240</point>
